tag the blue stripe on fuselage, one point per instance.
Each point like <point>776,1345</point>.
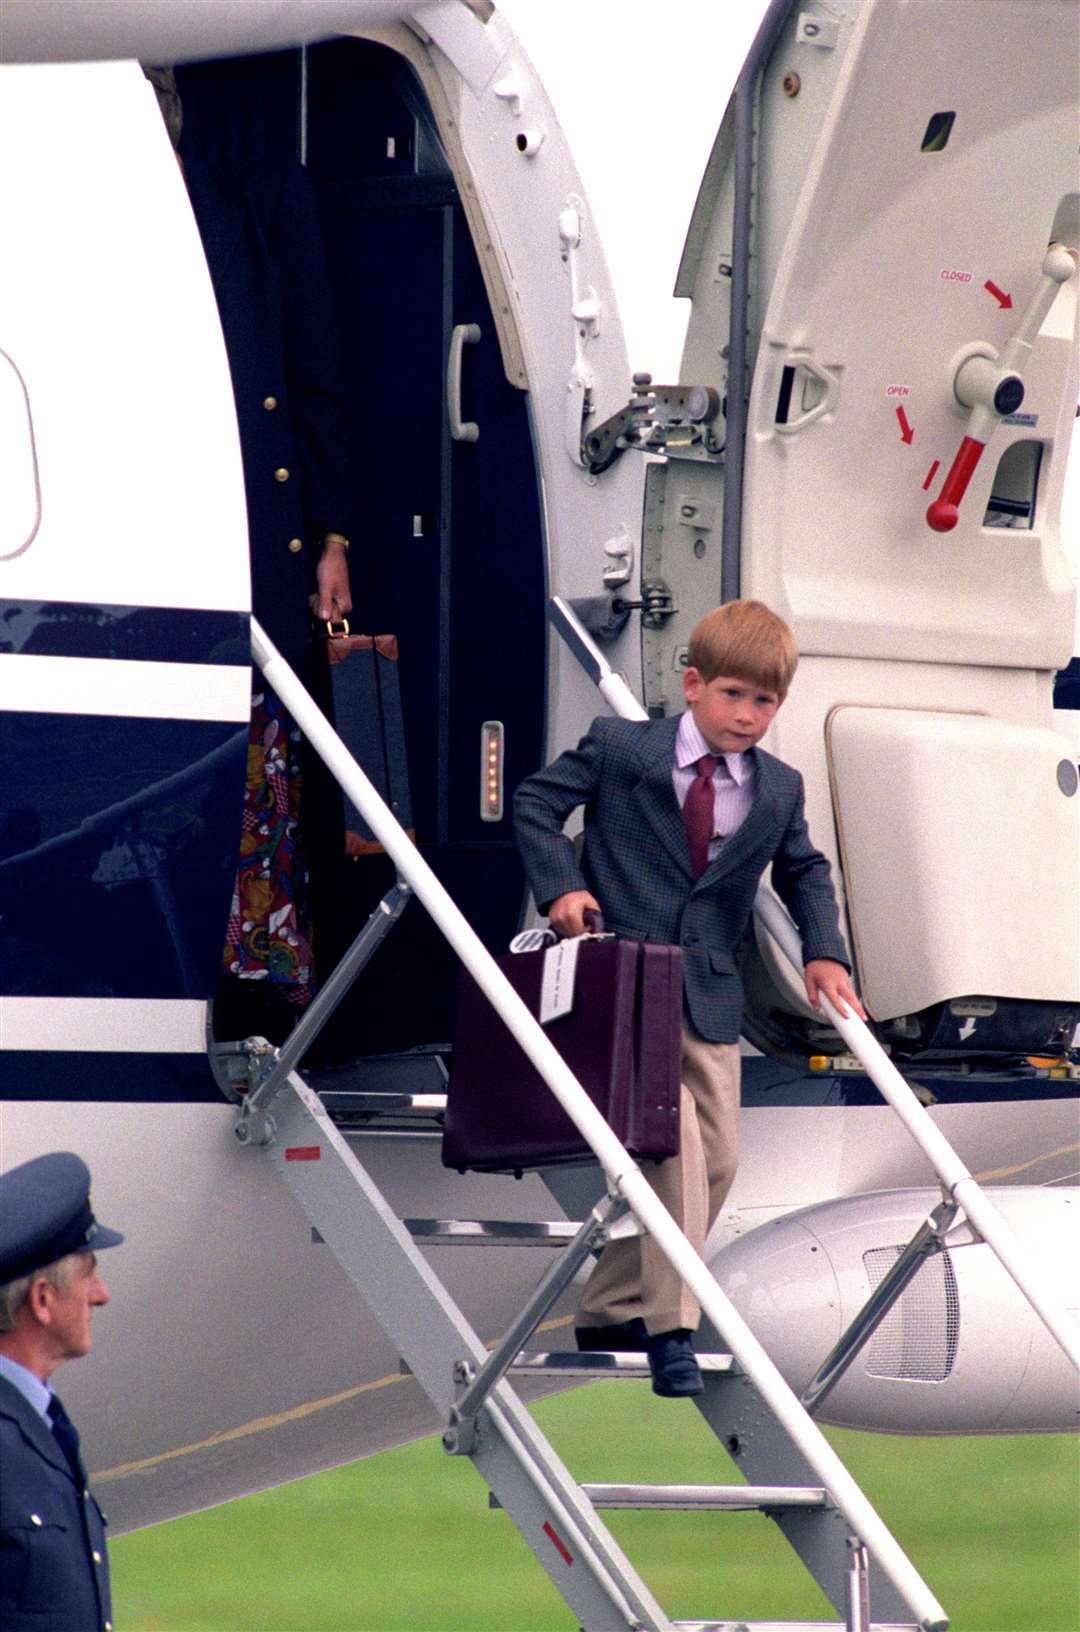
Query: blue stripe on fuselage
<point>149,634</point>
<point>118,846</point>
<point>133,1078</point>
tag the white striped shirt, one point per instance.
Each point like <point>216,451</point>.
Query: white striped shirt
<point>733,781</point>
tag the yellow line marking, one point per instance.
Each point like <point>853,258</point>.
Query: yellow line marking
<point>259,1425</point>
<point>1024,1167</point>
<point>278,1419</point>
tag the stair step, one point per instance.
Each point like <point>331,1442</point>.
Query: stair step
<point>487,1232</point>
<point>384,1111</point>
<point>387,1092</point>
<point>787,1626</point>
<point>514,1232</point>
<point>603,1364</point>
<point>703,1498</point>
<point>725,1498</point>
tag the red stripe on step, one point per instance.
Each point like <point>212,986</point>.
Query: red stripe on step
<point>559,1545</point>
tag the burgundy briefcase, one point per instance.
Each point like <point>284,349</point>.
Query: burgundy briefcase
<point>621,1038</point>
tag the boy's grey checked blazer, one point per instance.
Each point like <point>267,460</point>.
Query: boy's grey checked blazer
<point>637,863</point>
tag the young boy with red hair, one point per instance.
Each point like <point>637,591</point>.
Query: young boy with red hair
<point>682,817</point>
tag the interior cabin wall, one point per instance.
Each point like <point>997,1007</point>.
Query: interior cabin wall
<point>447,548</point>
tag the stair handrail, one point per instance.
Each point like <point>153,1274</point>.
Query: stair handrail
<point>957,1180</point>
<point>624,1176</point>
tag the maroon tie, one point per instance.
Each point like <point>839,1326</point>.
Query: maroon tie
<point>698,813</point>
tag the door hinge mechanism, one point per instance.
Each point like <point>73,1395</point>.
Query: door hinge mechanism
<point>657,604</point>
<point>681,420</point>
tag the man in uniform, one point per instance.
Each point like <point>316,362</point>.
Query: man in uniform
<point>54,1574</point>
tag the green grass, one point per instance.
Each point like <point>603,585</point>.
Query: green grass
<point>404,1541</point>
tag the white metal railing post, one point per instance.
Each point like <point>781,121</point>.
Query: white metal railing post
<point>956,1179</point>
<point>620,1168</point>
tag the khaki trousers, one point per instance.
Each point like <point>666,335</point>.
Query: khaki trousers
<point>633,1278</point>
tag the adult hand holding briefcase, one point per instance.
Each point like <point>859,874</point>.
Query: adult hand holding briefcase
<point>613,1009</point>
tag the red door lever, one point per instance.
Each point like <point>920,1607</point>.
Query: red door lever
<point>992,387</point>
<point>944,513</point>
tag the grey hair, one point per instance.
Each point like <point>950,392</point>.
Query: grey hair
<point>15,1293</point>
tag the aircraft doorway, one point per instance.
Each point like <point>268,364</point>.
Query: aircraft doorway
<point>447,545</point>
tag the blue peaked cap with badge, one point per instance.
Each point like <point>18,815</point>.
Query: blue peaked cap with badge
<point>45,1213</point>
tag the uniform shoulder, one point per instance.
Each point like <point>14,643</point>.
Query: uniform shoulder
<point>18,1419</point>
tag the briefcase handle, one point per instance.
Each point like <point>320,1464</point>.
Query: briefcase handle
<point>538,940</point>
<point>339,642</point>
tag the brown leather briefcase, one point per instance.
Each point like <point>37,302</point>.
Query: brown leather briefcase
<point>621,1038</point>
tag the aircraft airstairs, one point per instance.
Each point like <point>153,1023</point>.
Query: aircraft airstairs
<point>792,1474</point>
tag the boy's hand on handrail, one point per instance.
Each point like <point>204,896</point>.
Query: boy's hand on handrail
<point>566,914</point>
<point>825,978</point>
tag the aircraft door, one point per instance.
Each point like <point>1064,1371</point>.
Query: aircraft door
<point>907,244</point>
<point>446,536</point>
<point>449,553</point>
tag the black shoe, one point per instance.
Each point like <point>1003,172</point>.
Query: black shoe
<point>625,1335</point>
<point>675,1373</point>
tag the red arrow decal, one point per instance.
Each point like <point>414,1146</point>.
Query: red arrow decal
<point>1003,300</point>
<point>906,432</point>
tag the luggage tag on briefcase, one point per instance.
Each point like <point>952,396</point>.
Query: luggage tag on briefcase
<point>558,980</point>
<point>559,973</point>
<point>559,976</point>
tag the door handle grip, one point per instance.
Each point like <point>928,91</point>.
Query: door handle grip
<point>462,430</point>
<point>830,388</point>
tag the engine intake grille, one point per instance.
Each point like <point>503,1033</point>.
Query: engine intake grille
<point>917,1339</point>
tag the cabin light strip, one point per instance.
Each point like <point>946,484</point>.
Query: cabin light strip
<point>31,684</point>
<point>102,1025</point>
<point>491,771</point>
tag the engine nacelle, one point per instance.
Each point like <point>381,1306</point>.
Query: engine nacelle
<point>962,1352</point>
